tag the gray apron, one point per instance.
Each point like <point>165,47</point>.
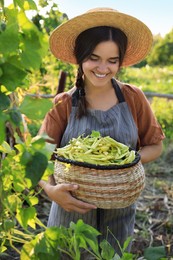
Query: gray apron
<point>118,123</point>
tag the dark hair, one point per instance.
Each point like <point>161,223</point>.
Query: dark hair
<point>84,47</point>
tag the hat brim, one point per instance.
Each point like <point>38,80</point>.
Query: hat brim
<point>62,39</point>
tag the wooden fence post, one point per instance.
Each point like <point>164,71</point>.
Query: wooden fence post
<point>62,81</point>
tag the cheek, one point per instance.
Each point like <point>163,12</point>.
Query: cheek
<point>115,68</point>
<point>88,65</point>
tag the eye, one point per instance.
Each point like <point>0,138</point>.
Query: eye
<point>93,57</point>
<point>114,61</point>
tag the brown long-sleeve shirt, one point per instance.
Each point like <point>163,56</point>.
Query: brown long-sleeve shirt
<point>149,130</point>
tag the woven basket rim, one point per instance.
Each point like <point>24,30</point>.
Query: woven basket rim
<point>100,167</point>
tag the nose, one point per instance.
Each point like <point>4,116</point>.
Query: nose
<point>102,67</point>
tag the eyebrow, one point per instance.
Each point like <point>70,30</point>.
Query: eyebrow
<point>111,58</point>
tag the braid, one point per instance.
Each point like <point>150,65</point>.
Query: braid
<point>82,107</point>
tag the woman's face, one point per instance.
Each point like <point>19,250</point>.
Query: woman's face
<point>102,65</point>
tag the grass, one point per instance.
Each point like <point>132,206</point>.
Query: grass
<point>152,79</point>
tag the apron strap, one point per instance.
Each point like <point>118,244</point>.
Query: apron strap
<point>115,86</point>
<point>118,91</point>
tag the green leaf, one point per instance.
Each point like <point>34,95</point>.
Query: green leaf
<point>36,167</point>
<point>26,216</point>
<point>8,224</point>
<point>39,143</point>
<point>3,119</point>
<point>35,108</point>
<point>126,243</point>
<point>2,249</point>
<point>20,147</point>
<point>92,242</point>
<point>88,233</point>
<point>42,248</point>
<point>27,252</point>
<point>43,245</point>
<point>117,257</point>
<point>26,5</point>
<point>81,242</point>
<point>49,170</point>
<point>9,40</point>
<point>12,76</point>
<point>5,148</point>
<point>33,43</point>
<point>26,157</point>
<point>95,134</point>
<point>15,60</point>
<point>155,253</point>
<point>107,250</point>
<point>1,72</point>
<point>20,3</point>
<point>30,59</point>
<point>19,186</point>
<point>80,226</point>
<point>127,256</point>
<point>53,234</point>
<point>15,116</point>
<point>32,201</point>
<point>13,202</point>
<point>30,5</point>
<point>4,101</point>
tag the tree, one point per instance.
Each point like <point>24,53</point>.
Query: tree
<point>162,52</point>
<point>49,17</point>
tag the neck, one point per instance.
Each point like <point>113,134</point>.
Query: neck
<point>100,90</point>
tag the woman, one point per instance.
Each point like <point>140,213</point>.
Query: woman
<point>100,41</point>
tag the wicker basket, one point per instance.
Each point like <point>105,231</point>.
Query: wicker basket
<point>106,187</point>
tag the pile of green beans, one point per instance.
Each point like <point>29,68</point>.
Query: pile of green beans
<point>98,150</point>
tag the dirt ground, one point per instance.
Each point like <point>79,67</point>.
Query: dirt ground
<point>154,218</point>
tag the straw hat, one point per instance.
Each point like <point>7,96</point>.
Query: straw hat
<point>62,39</point>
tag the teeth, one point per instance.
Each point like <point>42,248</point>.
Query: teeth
<point>100,75</point>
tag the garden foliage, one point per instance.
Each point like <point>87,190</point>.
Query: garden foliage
<point>25,68</point>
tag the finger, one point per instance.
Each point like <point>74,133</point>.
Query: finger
<point>83,205</point>
<point>79,210</point>
<point>69,187</point>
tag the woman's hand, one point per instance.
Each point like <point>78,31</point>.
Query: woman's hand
<point>61,194</point>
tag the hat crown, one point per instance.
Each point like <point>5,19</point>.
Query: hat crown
<point>62,39</point>
<point>101,9</point>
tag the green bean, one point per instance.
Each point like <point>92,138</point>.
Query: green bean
<point>96,149</point>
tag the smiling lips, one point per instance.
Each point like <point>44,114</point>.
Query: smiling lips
<point>100,75</point>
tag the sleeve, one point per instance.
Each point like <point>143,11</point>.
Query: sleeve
<point>56,119</point>
<point>149,130</point>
